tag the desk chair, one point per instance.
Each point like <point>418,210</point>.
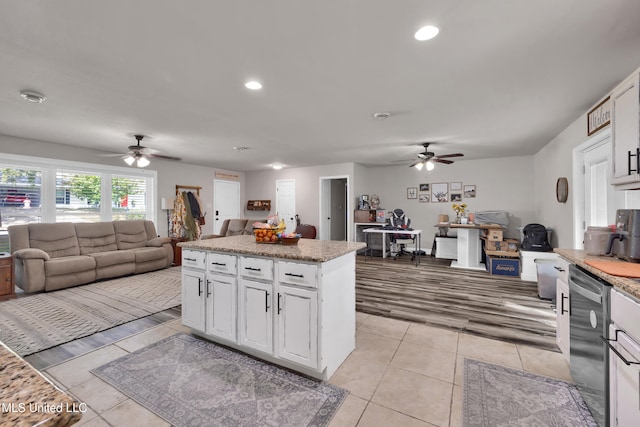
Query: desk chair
<point>399,241</point>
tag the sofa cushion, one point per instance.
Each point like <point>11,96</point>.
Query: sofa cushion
<point>96,237</point>
<point>149,254</point>
<point>130,234</point>
<point>58,240</point>
<point>69,265</point>
<point>104,259</point>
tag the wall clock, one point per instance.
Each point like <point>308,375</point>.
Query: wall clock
<point>562,189</point>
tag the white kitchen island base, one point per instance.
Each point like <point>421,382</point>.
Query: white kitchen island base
<point>291,306</point>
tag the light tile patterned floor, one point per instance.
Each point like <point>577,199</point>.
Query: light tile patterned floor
<point>401,374</point>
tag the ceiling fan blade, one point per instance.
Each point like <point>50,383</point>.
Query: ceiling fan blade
<point>161,156</point>
<point>447,162</point>
<point>416,163</point>
<point>451,155</point>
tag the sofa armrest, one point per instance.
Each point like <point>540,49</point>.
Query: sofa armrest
<point>158,241</point>
<point>31,253</point>
<point>210,236</point>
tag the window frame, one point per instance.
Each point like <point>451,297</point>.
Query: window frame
<point>49,168</point>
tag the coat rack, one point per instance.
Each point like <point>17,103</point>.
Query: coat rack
<point>188,187</point>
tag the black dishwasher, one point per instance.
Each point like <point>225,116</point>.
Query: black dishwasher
<point>589,318</point>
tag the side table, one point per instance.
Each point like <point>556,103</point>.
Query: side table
<point>6,274</point>
<point>177,250</point>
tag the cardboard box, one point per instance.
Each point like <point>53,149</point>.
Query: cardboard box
<point>361,216</point>
<point>496,245</point>
<point>493,234</point>
<point>503,266</point>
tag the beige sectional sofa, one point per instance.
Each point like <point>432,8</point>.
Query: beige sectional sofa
<point>60,255</point>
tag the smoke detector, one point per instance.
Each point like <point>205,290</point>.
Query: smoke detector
<point>382,116</point>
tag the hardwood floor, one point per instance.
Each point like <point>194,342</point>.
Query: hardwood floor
<point>499,307</point>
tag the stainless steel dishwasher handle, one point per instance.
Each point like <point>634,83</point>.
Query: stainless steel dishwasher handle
<point>592,296</point>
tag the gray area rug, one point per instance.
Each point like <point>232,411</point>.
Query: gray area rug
<point>189,381</point>
<point>499,396</point>
<point>37,322</point>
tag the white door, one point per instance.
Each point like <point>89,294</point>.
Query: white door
<point>298,325</point>
<point>599,197</point>
<point>221,306</point>
<point>255,315</point>
<point>192,299</point>
<point>226,202</point>
<point>286,202</point>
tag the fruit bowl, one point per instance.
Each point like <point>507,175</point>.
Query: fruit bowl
<point>266,235</point>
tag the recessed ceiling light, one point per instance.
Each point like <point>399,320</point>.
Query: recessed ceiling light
<point>382,116</point>
<point>426,33</point>
<point>253,85</point>
<point>32,96</point>
<point>276,166</point>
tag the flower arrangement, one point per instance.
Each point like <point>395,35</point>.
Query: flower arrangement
<point>460,209</point>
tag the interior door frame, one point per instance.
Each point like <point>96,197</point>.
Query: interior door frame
<point>324,224</point>
<point>217,222</point>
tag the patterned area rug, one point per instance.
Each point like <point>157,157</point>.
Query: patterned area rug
<point>35,323</point>
<point>193,382</point>
<point>499,396</point>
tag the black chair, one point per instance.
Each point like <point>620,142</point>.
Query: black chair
<point>399,240</point>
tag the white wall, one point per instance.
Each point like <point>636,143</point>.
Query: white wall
<point>501,184</point>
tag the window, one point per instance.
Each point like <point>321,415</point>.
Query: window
<point>45,190</point>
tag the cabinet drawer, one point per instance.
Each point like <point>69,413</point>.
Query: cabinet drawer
<point>257,268</point>
<point>562,266</point>
<point>221,263</point>
<point>298,274</point>
<point>625,313</point>
<point>194,259</point>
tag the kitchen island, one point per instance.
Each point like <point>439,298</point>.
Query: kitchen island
<point>289,305</point>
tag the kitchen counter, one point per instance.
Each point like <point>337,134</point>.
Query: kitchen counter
<point>311,250</point>
<point>630,286</point>
<point>29,399</point>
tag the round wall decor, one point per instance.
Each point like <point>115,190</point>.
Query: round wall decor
<point>562,189</point>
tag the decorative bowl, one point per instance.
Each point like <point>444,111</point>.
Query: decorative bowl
<point>266,235</point>
<point>289,241</point>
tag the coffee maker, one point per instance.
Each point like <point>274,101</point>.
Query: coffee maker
<point>624,243</point>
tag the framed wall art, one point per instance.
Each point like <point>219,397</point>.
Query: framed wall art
<point>424,187</point>
<point>455,186</point>
<point>412,193</point>
<point>456,197</point>
<point>424,198</point>
<point>469,191</point>
<point>440,192</point>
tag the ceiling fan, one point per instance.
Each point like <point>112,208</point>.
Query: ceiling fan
<point>140,155</point>
<point>426,158</point>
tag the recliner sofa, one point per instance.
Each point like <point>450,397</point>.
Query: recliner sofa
<point>235,227</point>
<point>60,255</point>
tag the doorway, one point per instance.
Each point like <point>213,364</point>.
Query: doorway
<point>286,202</point>
<point>334,208</point>
<point>226,202</point>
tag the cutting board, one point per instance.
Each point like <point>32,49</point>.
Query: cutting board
<point>616,268</point>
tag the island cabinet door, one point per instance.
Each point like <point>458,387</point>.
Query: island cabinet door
<point>297,311</point>
<point>193,312</point>
<point>221,293</point>
<point>255,315</point>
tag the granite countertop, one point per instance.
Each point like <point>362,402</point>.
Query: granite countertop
<point>29,399</point>
<point>306,250</point>
<point>575,256</point>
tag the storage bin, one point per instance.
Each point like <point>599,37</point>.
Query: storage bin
<point>547,275</point>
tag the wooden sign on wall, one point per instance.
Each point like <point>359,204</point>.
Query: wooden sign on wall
<point>599,116</point>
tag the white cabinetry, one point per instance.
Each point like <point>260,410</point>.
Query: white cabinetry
<point>625,133</point>
<point>297,314</point>
<point>562,306</point>
<point>256,315</point>
<point>624,360</point>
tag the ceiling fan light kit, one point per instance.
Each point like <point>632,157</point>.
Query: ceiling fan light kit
<point>140,156</point>
<point>427,158</point>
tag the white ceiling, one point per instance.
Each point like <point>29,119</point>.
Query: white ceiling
<point>502,78</point>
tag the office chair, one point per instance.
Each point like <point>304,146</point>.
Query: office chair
<point>400,221</point>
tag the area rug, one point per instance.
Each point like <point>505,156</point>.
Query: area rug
<point>189,381</point>
<point>499,396</point>
<point>37,322</point>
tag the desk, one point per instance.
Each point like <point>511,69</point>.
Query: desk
<point>369,231</point>
<point>469,247</point>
